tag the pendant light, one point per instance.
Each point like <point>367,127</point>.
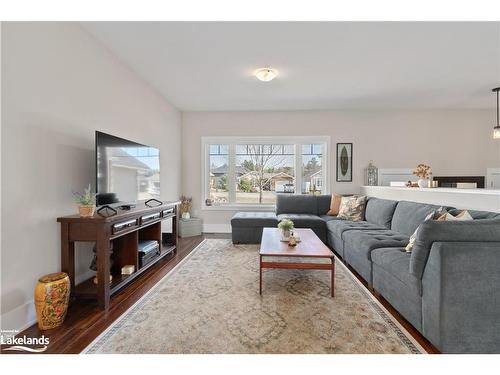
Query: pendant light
<point>496,129</point>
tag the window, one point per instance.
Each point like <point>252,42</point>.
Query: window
<point>250,171</point>
<point>219,164</point>
<point>312,172</point>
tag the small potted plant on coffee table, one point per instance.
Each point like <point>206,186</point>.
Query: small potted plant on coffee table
<point>86,202</point>
<point>286,226</point>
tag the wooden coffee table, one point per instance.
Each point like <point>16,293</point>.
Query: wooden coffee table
<point>310,246</point>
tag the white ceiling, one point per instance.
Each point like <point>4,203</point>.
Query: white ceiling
<point>322,65</point>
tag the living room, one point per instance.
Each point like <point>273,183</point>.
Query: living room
<point>306,187</point>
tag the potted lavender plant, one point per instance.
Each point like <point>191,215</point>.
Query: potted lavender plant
<point>86,202</point>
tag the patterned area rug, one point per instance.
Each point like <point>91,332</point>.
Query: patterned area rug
<point>210,303</point>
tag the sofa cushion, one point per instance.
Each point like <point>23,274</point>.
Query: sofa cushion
<point>304,220</point>
<point>481,230</point>
<point>254,219</point>
<point>364,241</point>
<point>328,218</point>
<point>409,215</point>
<point>380,211</point>
<point>338,227</point>
<point>296,204</point>
<point>323,203</point>
<point>477,214</point>
<point>398,294</point>
<point>396,261</point>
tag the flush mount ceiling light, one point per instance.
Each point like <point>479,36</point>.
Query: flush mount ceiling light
<point>496,129</point>
<point>265,74</point>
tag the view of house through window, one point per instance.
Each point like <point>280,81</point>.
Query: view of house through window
<point>262,171</point>
<point>219,164</point>
<point>312,173</point>
<point>253,173</point>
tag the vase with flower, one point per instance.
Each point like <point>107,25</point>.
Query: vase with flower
<point>186,205</point>
<point>423,172</point>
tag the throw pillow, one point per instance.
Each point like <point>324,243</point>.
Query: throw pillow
<point>434,215</point>
<point>335,204</point>
<point>352,208</point>
<point>462,216</point>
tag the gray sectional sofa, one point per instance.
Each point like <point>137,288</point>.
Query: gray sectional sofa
<point>448,288</point>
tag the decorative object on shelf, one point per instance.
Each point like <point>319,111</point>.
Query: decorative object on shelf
<point>93,263</point>
<point>128,269</point>
<point>344,162</point>
<point>292,241</point>
<point>496,129</point>
<point>186,205</point>
<point>95,280</point>
<point>51,299</point>
<point>423,172</point>
<point>411,184</point>
<point>286,226</point>
<point>156,203</point>
<point>371,174</point>
<point>86,202</point>
<point>209,202</point>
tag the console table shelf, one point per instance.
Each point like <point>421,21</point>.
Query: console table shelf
<point>88,290</point>
<point>118,235</point>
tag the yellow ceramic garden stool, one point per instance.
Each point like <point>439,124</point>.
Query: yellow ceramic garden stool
<point>51,299</point>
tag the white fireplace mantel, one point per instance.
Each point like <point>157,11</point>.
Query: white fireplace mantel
<point>473,199</point>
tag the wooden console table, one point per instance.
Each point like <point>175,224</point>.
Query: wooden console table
<point>122,232</point>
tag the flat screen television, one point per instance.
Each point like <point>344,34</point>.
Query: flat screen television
<point>126,171</point>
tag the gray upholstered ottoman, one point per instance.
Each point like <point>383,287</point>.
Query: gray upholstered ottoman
<point>247,226</point>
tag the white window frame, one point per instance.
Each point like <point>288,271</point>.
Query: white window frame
<point>297,141</point>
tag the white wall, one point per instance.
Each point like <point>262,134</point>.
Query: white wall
<point>59,85</point>
<point>453,142</point>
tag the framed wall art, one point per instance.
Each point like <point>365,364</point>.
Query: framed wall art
<point>344,162</point>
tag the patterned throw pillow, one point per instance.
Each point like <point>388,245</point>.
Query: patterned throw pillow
<point>462,216</point>
<point>352,208</point>
<point>434,215</point>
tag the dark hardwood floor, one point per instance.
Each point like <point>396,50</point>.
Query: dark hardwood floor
<point>85,321</point>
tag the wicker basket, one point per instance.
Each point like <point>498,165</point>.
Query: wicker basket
<point>86,210</point>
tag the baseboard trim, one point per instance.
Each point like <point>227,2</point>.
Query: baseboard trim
<point>19,319</point>
<point>24,316</point>
<point>217,228</point>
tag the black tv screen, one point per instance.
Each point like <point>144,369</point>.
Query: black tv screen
<point>126,171</point>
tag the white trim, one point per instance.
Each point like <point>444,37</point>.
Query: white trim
<point>216,228</point>
<point>490,172</point>
<point>231,141</point>
<point>20,318</point>
<point>24,316</point>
